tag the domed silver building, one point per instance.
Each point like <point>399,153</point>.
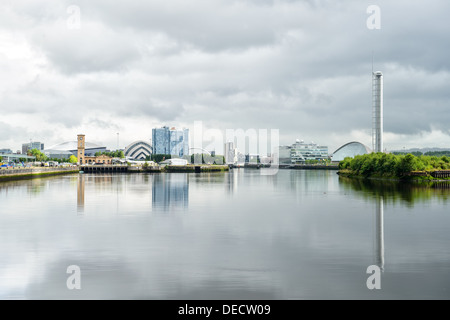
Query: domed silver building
<point>66,149</point>
<point>350,149</point>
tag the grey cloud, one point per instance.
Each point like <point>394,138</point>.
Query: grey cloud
<point>301,66</point>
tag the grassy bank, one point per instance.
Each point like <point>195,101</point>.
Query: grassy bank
<point>24,176</point>
<point>396,167</point>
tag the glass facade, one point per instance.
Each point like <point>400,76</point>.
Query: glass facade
<point>32,145</point>
<point>302,152</point>
<point>170,141</point>
<point>285,154</point>
<point>6,151</point>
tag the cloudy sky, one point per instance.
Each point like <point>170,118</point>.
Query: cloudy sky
<point>300,66</point>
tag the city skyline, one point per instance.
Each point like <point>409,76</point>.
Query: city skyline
<point>303,67</point>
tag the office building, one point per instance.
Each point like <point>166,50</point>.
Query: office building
<point>32,145</point>
<point>170,141</point>
<point>285,154</point>
<point>230,153</point>
<point>6,151</point>
<point>302,152</point>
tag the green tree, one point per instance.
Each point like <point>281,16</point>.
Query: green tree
<point>161,157</point>
<point>39,155</point>
<point>73,159</point>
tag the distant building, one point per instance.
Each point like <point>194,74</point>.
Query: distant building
<point>351,150</point>
<point>170,141</point>
<point>174,162</point>
<point>230,153</point>
<point>302,152</point>
<point>58,154</point>
<point>252,158</point>
<point>138,150</point>
<point>83,158</point>
<point>63,149</point>
<point>285,154</point>
<point>6,151</point>
<point>32,145</point>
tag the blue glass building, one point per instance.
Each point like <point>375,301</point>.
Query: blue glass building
<point>170,141</point>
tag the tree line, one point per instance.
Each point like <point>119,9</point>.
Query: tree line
<point>393,164</point>
<point>113,154</point>
<point>429,153</point>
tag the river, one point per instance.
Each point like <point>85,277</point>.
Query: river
<point>298,234</point>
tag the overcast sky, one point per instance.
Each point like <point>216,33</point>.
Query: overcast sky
<point>300,66</point>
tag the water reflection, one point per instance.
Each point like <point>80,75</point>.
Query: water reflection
<point>80,193</point>
<point>296,235</point>
<point>170,191</point>
<point>380,232</point>
<point>394,191</point>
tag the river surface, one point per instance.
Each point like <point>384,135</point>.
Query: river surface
<point>298,234</point>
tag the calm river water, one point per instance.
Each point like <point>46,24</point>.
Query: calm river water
<point>237,235</point>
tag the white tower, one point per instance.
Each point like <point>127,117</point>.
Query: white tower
<point>377,111</point>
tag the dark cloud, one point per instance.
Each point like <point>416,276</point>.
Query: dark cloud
<point>300,66</point>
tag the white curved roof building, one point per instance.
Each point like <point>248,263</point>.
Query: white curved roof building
<point>63,149</point>
<point>73,146</point>
<point>138,150</point>
<point>351,150</point>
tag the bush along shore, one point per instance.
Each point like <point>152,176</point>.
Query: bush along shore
<point>398,167</point>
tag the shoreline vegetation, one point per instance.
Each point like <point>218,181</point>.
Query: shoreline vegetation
<point>382,166</point>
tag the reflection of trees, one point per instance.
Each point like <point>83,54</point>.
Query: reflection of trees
<point>33,186</point>
<point>408,192</point>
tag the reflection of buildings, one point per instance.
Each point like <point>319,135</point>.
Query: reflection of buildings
<point>232,177</point>
<point>80,193</point>
<point>170,191</point>
<point>379,245</point>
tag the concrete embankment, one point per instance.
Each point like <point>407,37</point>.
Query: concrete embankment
<point>196,168</point>
<point>181,169</point>
<point>309,167</point>
<point>27,173</point>
<point>152,169</point>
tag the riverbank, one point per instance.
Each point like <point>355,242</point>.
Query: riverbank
<point>29,173</point>
<point>415,176</point>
